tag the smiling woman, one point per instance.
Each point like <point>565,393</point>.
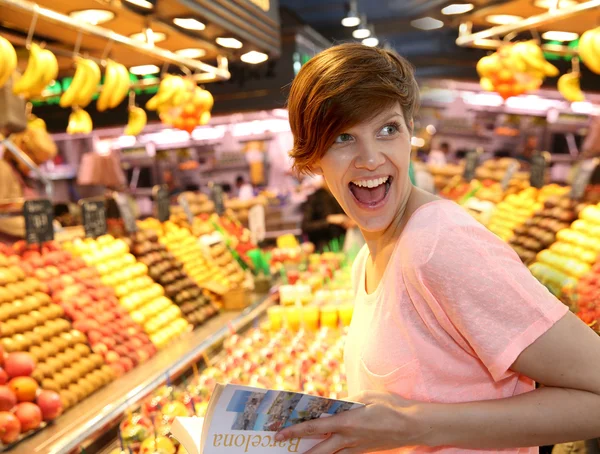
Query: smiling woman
<point>450,330</point>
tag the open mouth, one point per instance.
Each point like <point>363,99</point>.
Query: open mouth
<point>371,192</point>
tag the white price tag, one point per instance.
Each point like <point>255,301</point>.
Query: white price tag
<point>256,223</point>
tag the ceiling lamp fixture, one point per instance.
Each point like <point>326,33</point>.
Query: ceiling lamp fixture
<point>457,8</point>
<point>371,41</point>
<point>143,70</point>
<point>254,57</point>
<point>157,37</point>
<point>191,53</point>
<point>189,23</point>
<point>230,43</point>
<point>363,30</point>
<point>503,19</point>
<point>93,16</point>
<point>351,19</point>
<point>560,36</point>
<point>146,4</point>
<point>549,4</point>
<point>427,23</point>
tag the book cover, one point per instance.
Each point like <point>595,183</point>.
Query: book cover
<point>242,419</point>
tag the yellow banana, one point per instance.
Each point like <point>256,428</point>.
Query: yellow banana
<point>568,86</point>
<point>111,80</point>
<point>531,55</point>
<point>169,87</point>
<point>31,76</point>
<point>91,83</point>
<point>137,121</point>
<point>48,72</point>
<point>486,84</point>
<point>85,122</point>
<point>122,88</point>
<point>80,122</point>
<point>589,49</point>
<point>8,60</point>
<point>36,123</point>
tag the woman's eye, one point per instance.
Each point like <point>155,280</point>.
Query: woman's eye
<point>343,138</point>
<point>389,130</point>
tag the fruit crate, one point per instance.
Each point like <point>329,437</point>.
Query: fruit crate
<point>236,299</point>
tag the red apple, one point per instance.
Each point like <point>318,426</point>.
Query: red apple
<point>118,369</point>
<point>111,357</point>
<point>99,348</point>
<point>94,336</point>
<point>19,364</point>
<point>30,416</point>
<point>109,342</point>
<point>10,427</point>
<point>8,398</point>
<point>127,364</point>
<point>2,354</point>
<point>50,405</point>
<point>3,377</point>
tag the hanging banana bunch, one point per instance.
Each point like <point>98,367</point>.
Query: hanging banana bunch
<point>115,88</point>
<point>84,84</point>
<point>42,69</point>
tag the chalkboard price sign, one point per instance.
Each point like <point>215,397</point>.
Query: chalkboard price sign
<point>38,216</point>
<point>93,213</point>
<point>126,211</point>
<point>163,206</point>
<point>217,197</point>
<point>537,176</point>
<point>471,162</point>
<point>582,178</point>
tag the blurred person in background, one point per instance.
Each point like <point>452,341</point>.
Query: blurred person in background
<point>245,190</point>
<point>439,157</point>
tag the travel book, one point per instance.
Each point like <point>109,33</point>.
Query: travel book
<point>242,419</point>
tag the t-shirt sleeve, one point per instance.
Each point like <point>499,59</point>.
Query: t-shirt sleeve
<point>483,296</point>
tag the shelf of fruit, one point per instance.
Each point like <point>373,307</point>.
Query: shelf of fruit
<point>32,323</point>
<point>539,232</point>
<point>137,292</point>
<point>166,270</point>
<point>573,254</point>
<point>306,361</point>
<point>105,408</point>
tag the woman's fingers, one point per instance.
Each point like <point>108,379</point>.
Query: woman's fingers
<point>316,427</point>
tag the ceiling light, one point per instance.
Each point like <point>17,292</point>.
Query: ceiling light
<point>157,37</point>
<point>427,23</point>
<point>231,43</point>
<point>254,57</point>
<point>351,19</point>
<point>191,53</point>
<point>142,70</point>
<point>362,31</point>
<point>93,16</point>
<point>371,41</point>
<point>503,19</point>
<point>457,8</point>
<point>560,36</point>
<point>189,23</point>
<point>549,4</point>
<point>141,3</point>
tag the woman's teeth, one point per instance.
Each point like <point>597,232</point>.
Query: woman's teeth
<point>371,183</point>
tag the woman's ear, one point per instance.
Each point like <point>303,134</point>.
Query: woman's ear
<point>316,169</point>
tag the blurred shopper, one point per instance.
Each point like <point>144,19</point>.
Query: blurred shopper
<point>245,191</point>
<point>439,157</point>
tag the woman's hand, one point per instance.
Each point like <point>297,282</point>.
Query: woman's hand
<point>386,422</point>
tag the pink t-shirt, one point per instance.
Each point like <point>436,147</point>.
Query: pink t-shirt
<point>453,311</point>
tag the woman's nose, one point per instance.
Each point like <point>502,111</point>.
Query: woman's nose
<point>369,157</point>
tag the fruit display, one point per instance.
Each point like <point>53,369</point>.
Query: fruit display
<point>136,122</point>
<point>24,406</point>
<point>84,84</point>
<point>8,62</point>
<point>515,69</point>
<point>515,209</point>
<point>443,175</point>
<point>115,86</point>
<point>92,306</point>
<point>137,292</point>
<point>168,272</point>
<point>539,232</point>
<point>181,104</point>
<point>589,51</point>
<point>573,254</point>
<point>222,257</point>
<point>42,69</point>
<point>585,298</point>
<point>32,324</point>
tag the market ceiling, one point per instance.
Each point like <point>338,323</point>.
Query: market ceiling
<point>432,51</point>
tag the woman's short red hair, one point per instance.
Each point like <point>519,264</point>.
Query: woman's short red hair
<point>341,87</point>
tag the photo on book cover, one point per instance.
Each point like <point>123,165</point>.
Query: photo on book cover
<point>311,407</point>
<point>245,404</point>
<point>275,409</point>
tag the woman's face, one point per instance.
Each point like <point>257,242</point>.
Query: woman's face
<point>367,169</point>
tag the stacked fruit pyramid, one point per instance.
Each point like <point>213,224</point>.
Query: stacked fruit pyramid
<point>539,232</point>
<point>24,406</point>
<point>223,258</point>
<point>571,257</point>
<point>32,323</point>
<point>137,292</point>
<point>168,272</point>
<point>92,306</point>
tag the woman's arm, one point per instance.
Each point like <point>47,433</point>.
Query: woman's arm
<point>566,359</point>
